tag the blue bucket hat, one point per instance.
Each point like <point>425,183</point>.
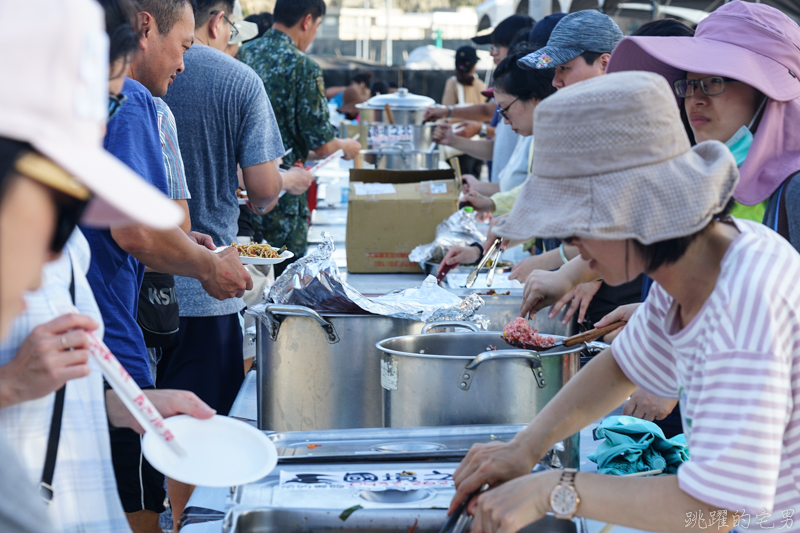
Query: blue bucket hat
<point>583,31</point>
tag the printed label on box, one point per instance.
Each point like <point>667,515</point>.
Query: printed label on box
<point>438,188</point>
<point>368,189</point>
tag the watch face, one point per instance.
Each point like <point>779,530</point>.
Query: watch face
<point>564,500</point>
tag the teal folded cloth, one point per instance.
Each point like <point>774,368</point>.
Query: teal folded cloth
<point>634,445</point>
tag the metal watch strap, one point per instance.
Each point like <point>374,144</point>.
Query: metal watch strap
<point>46,485</point>
<point>568,480</point>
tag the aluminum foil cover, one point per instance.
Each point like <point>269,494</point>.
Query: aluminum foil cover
<point>314,281</point>
<point>459,229</point>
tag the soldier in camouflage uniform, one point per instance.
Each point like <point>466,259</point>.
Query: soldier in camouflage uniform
<point>295,87</point>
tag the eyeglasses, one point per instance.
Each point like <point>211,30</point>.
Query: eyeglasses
<point>710,85</point>
<point>568,240</point>
<point>69,196</point>
<point>114,103</point>
<point>234,29</point>
<point>503,111</point>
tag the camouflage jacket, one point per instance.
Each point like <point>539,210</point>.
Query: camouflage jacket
<point>296,90</point>
<point>295,87</point>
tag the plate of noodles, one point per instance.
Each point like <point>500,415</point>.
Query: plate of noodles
<point>259,254</point>
<point>241,196</point>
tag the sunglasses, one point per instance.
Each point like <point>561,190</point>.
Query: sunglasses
<point>234,29</point>
<point>115,103</point>
<point>69,196</point>
<point>568,240</point>
<point>710,85</point>
<point>504,110</point>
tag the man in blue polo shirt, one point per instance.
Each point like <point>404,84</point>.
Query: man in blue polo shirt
<point>119,255</point>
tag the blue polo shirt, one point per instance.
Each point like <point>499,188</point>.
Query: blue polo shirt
<point>114,275</point>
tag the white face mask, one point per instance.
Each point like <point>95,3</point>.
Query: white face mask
<point>742,140</point>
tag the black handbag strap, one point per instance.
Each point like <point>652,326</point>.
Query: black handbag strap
<point>46,485</point>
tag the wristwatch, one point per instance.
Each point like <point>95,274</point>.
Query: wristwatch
<point>483,130</point>
<point>564,499</point>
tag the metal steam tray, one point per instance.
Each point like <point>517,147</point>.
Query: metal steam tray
<point>449,444</point>
<point>266,506</point>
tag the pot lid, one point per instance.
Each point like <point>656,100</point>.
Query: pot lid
<point>402,99</point>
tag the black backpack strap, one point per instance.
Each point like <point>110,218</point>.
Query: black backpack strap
<point>46,485</point>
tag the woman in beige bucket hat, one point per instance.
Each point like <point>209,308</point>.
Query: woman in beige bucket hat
<point>616,176</point>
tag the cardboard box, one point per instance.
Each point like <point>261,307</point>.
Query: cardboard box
<point>390,212</point>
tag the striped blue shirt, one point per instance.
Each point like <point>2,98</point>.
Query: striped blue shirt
<point>173,162</point>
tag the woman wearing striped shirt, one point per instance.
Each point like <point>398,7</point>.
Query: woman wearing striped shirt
<point>720,329</point>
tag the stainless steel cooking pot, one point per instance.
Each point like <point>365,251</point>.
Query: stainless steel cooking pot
<point>444,379</point>
<point>401,157</point>
<point>407,108</point>
<point>321,371</point>
<point>405,126</point>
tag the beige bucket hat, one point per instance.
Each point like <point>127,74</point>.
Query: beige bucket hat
<point>613,162</point>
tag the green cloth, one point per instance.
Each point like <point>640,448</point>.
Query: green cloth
<point>634,445</point>
<point>749,212</point>
<point>296,90</point>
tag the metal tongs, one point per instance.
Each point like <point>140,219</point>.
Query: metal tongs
<point>474,274</point>
<point>459,521</point>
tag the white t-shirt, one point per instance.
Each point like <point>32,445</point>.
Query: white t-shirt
<point>85,490</point>
<point>735,368</point>
<point>505,140</point>
<point>516,170</point>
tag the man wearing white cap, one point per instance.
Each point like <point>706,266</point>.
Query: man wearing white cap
<point>51,132</point>
<point>241,32</point>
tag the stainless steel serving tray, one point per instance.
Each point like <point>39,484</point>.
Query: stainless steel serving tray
<point>366,521</point>
<point>449,443</point>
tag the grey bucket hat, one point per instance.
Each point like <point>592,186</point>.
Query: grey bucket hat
<point>583,31</point>
<point>613,162</point>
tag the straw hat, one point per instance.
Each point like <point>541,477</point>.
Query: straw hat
<point>613,162</point>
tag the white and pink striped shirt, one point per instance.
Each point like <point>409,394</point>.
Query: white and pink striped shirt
<point>736,370</point>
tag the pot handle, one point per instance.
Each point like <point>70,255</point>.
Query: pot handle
<point>299,310</point>
<point>449,324</point>
<point>466,377</point>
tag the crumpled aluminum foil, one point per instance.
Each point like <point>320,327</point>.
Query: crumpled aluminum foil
<point>314,281</point>
<point>459,229</point>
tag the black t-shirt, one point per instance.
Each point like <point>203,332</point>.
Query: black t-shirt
<point>609,298</point>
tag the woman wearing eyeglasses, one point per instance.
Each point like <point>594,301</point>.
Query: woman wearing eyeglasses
<point>517,92</point>
<point>736,82</point>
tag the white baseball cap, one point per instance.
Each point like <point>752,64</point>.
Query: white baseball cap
<point>54,96</point>
<point>247,30</point>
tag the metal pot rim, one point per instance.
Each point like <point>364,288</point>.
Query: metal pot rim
<point>380,347</point>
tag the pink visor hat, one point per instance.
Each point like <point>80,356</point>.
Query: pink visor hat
<point>54,96</point>
<point>752,43</point>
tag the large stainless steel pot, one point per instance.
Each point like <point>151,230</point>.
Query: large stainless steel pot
<point>401,158</point>
<point>405,126</point>
<point>444,379</point>
<point>321,371</point>
<point>407,108</point>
